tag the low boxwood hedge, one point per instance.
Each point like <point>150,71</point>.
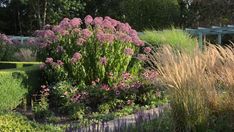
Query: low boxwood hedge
<point>17,84</point>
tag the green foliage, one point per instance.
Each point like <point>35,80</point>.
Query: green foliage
<point>16,122</point>
<point>176,38</point>
<point>144,14</point>
<point>18,84</point>
<point>12,90</point>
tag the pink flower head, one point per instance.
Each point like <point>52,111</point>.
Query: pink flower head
<point>76,57</point>
<point>105,38</point>
<point>123,27</point>
<point>105,87</point>
<point>113,21</point>
<point>124,37</point>
<point>107,24</point>
<point>45,33</point>
<point>142,57</point>
<point>150,74</point>
<point>75,22</point>
<point>88,19</point>
<point>129,51</point>
<point>97,21</point>
<point>64,32</point>
<point>147,49</point>
<point>49,60</point>
<point>59,62</point>
<point>76,30</point>
<point>86,33</point>
<point>65,23</point>
<point>133,33</point>
<point>80,41</point>
<point>31,41</point>
<point>137,41</point>
<point>5,39</point>
<point>126,75</point>
<point>76,98</point>
<point>103,60</point>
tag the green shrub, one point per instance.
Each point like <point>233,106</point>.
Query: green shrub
<point>16,122</point>
<point>17,84</point>
<point>176,38</point>
<point>12,91</point>
<point>102,49</point>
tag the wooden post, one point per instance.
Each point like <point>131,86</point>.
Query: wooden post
<point>220,38</point>
<point>200,41</point>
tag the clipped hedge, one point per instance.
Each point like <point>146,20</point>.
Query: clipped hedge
<point>13,122</point>
<point>17,84</point>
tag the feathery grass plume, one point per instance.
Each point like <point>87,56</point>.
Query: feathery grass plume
<point>201,85</point>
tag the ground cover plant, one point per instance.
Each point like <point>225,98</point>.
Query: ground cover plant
<point>200,87</point>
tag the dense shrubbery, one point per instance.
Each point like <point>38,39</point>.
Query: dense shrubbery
<point>95,69</point>
<point>176,38</point>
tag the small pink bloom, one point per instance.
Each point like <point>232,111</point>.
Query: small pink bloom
<point>76,57</point>
<point>126,75</point>
<point>75,22</point>
<point>59,62</point>
<point>141,57</point>
<point>129,51</point>
<point>49,60</point>
<point>81,41</point>
<point>107,24</point>
<point>103,60</point>
<point>147,49</point>
<point>105,87</point>
<point>86,33</point>
<point>65,23</point>
<point>88,19</point>
<point>97,21</point>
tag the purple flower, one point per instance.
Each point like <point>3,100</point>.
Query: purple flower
<point>141,57</point>
<point>103,60</point>
<point>49,60</point>
<point>124,37</point>
<point>107,24</point>
<point>75,22</point>
<point>105,87</point>
<point>59,62</point>
<point>88,19</point>
<point>129,51</point>
<point>65,23</point>
<point>97,21</point>
<point>150,74</point>
<point>5,39</point>
<point>126,75</point>
<point>147,49</point>
<point>105,38</point>
<point>80,41</point>
<point>137,41</point>
<point>86,33</point>
<point>76,57</point>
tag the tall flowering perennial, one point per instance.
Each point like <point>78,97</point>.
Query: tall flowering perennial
<point>91,49</point>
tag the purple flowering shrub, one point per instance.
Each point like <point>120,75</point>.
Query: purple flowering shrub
<point>6,47</point>
<point>95,65</point>
<point>84,51</point>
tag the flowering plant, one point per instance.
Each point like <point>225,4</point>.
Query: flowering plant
<point>85,51</point>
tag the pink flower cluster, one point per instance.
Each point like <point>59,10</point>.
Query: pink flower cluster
<point>76,57</point>
<point>150,75</point>
<point>5,39</point>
